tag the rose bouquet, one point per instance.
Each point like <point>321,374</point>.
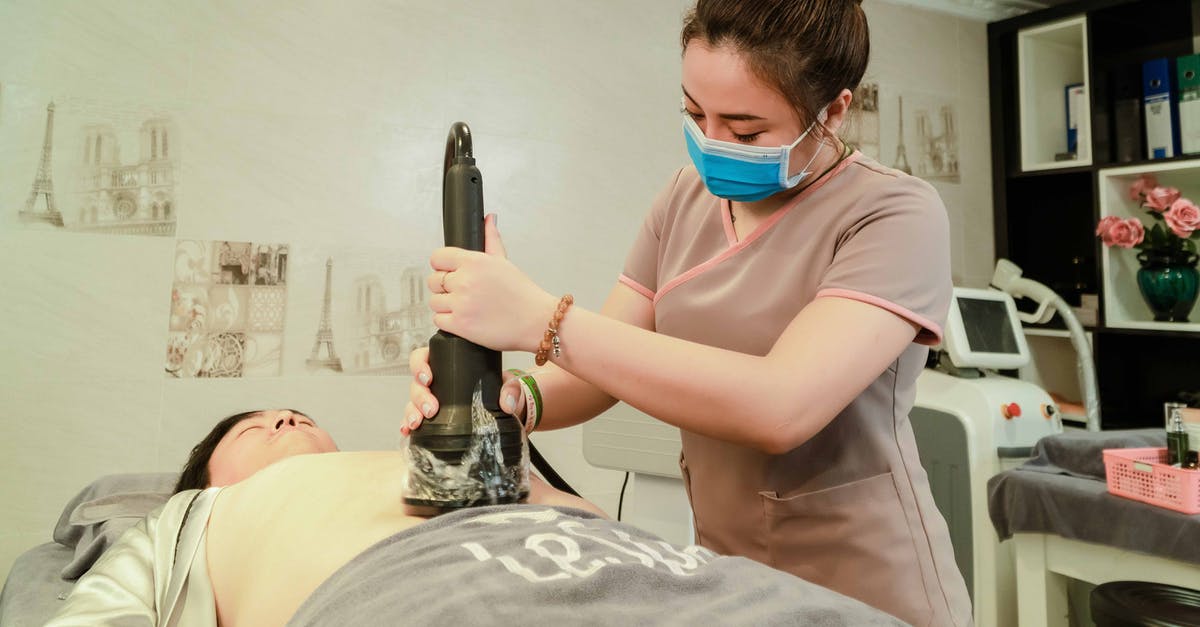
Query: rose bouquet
<point>1168,279</point>
<point>1176,222</point>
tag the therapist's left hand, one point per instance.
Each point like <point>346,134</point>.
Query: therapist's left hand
<point>483,297</point>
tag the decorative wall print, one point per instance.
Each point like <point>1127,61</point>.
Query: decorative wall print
<point>861,127</point>
<point>387,334</point>
<point>324,355</point>
<point>43,182</point>
<point>363,314</point>
<point>228,305</point>
<point>927,137</point>
<point>95,167</point>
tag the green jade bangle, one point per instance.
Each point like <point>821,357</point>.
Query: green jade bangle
<point>533,398</point>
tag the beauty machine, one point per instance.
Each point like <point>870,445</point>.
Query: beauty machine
<point>471,453</point>
<point>971,423</point>
<point>1008,277</point>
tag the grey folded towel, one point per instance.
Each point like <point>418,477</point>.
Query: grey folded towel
<point>97,516</point>
<point>1081,453</point>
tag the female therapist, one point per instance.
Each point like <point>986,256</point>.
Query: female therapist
<point>775,307</point>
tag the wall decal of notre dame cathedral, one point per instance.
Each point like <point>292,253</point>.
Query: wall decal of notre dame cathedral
<point>384,335</point>
<point>131,198</point>
<point>113,170</point>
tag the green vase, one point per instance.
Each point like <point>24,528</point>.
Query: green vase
<point>1168,282</point>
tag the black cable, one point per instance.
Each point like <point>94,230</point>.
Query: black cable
<point>548,473</point>
<point>621,499</point>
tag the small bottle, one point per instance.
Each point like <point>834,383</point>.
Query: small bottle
<point>1193,460</point>
<point>1169,408</point>
<point>1177,439</point>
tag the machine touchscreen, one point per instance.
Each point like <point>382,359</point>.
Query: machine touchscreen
<point>983,331</point>
<point>988,327</point>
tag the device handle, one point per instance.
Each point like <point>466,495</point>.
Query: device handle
<point>462,192</point>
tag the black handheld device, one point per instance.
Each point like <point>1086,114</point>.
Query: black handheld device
<point>471,452</point>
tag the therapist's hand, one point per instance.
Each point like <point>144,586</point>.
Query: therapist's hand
<point>422,404</point>
<point>483,297</point>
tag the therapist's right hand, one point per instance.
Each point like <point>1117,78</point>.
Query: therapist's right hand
<point>423,404</point>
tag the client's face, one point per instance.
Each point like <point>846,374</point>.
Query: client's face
<point>263,439</point>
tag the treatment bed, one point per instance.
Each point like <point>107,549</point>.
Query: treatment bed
<point>1066,525</point>
<point>93,520</point>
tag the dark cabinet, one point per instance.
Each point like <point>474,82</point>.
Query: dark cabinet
<point>1050,195</point>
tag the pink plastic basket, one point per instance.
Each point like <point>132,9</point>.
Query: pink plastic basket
<point>1142,474</point>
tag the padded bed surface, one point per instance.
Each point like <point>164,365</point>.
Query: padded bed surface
<point>32,592</point>
<point>90,522</point>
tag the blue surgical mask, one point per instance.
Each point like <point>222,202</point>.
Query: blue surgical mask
<point>741,172</point>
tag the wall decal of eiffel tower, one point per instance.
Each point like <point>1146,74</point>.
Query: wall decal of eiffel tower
<point>43,183</point>
<point>901,157</point>
<point>325,331</point>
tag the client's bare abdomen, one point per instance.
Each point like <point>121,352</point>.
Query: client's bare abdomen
<point>273,538</point>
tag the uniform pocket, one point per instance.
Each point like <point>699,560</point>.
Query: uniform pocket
<point>853,538</point>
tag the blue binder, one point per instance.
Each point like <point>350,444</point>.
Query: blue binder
<point>1162,115</point>
<point>1075,97</point>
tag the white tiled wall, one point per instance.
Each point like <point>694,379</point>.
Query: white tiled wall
<point>322,125</point>
<point>942,58</point>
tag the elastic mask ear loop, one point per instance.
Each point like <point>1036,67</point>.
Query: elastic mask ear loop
<point>804,172</point>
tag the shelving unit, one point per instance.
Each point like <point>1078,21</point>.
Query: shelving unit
<point>1052,57</point>
<point>1046,211</point>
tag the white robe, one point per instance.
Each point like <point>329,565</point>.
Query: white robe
<point>156,574</point>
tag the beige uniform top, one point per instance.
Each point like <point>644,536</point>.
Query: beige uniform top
<point>851,508</point>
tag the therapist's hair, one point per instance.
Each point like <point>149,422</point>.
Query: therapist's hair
<point>194,475</point>
<point>809,50</point>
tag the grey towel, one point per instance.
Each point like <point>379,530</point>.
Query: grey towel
<point>1062,491</point>
<point>513,565</point>
<point>97,516</point>
<point>1081,453</point>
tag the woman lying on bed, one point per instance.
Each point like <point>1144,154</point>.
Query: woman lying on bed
<point>324,540</point>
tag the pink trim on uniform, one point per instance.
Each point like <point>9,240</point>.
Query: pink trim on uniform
<point>734,245</point>
<point>637,287</point>
<point>930,333</point>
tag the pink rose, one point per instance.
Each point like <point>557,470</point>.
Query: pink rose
<point>1105,224</point>
<point>1139,187</point>
<point>1114,231</point>
<point>1183,217</point>
<point>1159,198</point>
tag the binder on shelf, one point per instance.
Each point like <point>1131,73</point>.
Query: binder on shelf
<point>1128,143</point>
<point>1162,127</point>
<point>1187,75</point>
<point>1075,96</point>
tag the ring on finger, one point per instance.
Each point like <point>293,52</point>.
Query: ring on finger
<point>443,283</point>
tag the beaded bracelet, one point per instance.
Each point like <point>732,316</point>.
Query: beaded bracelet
<point>550,339</point>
